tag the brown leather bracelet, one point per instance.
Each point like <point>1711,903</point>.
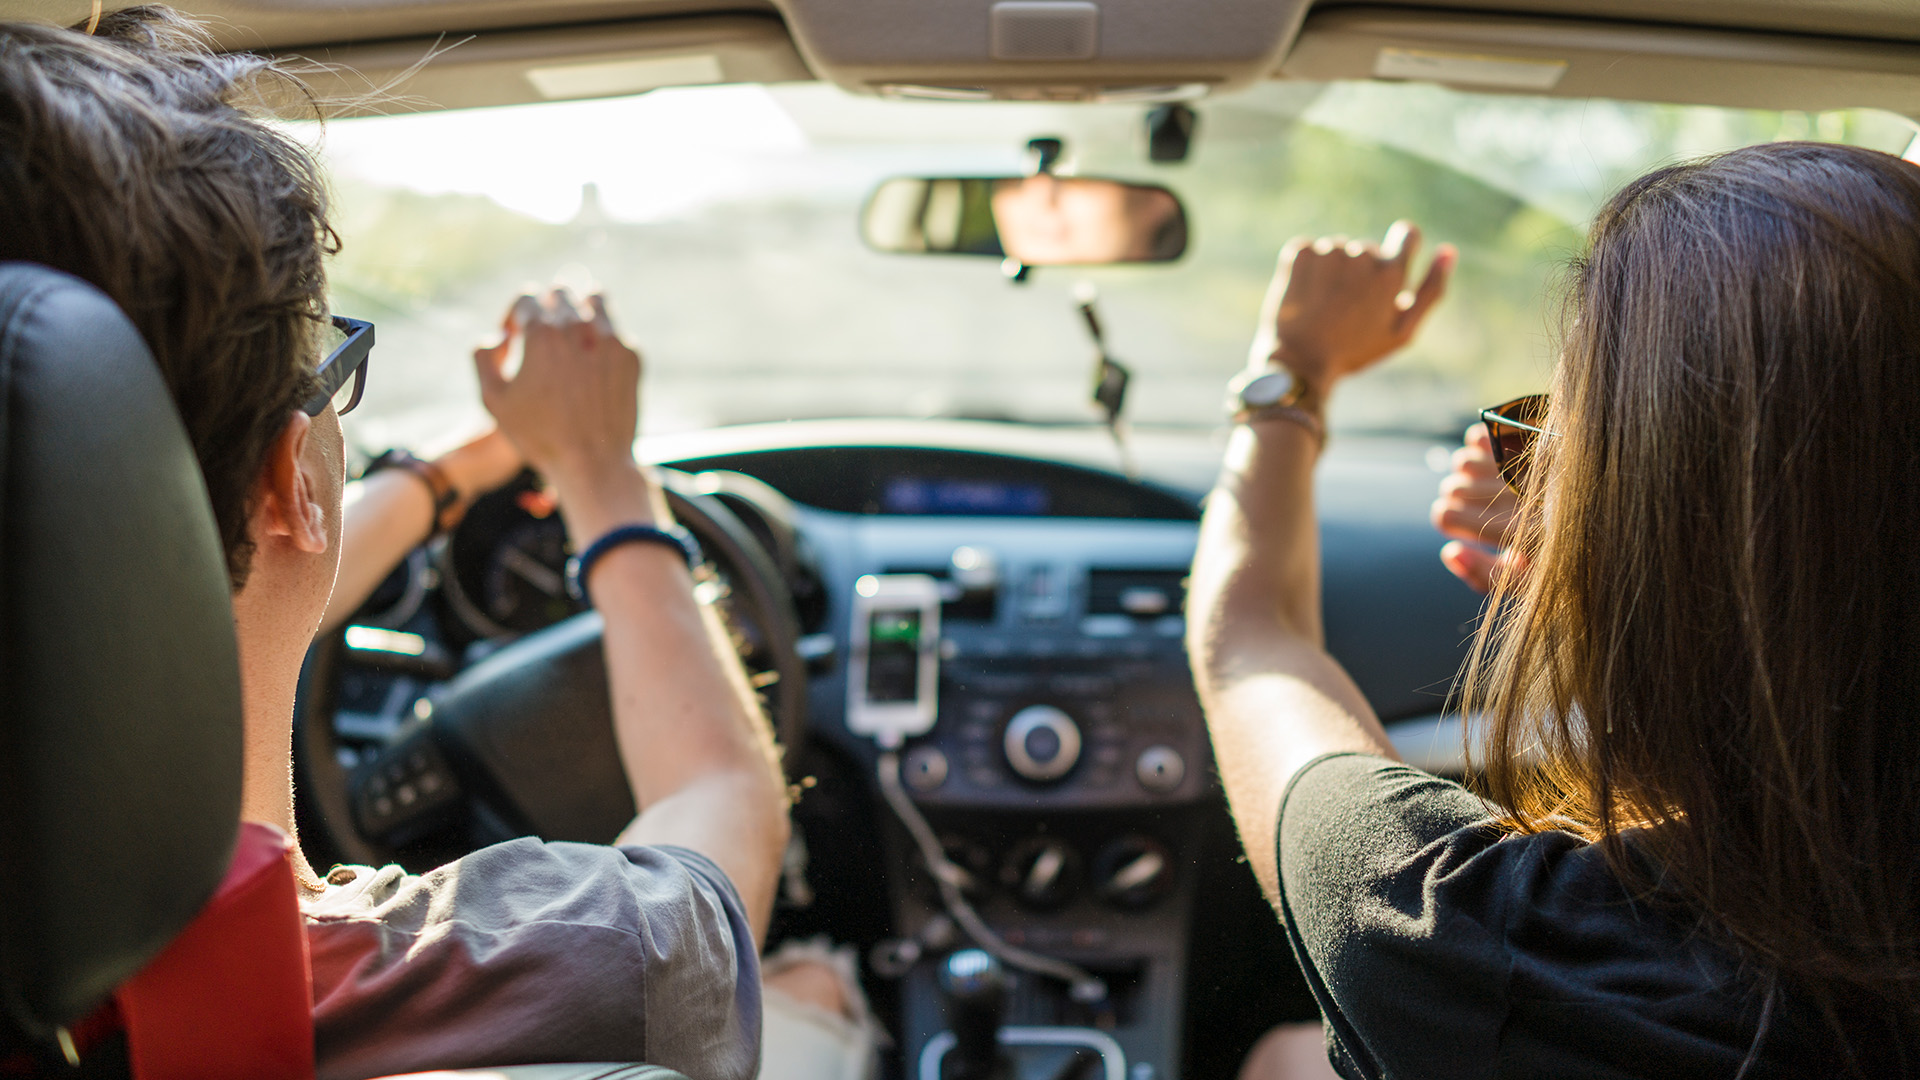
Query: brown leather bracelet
<point>445,495</point>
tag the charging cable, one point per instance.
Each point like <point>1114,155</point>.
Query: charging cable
<point>1085,987</point>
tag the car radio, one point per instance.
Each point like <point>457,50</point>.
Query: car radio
<point>1053,686</point>
<point>1081,732</point>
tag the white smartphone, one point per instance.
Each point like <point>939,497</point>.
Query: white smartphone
<point>894,670</point>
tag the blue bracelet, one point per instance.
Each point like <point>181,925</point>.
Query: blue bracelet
<point>673,536</point>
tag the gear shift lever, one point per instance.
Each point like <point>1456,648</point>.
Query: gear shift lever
<point>976,988</point>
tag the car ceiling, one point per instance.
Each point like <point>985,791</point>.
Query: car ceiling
<point>1811,54</point>
<point>294,24</point>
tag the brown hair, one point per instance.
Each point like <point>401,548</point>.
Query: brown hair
<point>127,161</point>
<point>1712,665</point>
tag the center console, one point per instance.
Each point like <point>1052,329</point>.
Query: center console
<point>1064,774</point>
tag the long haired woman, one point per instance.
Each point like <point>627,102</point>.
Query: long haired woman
<point>1698,852</point>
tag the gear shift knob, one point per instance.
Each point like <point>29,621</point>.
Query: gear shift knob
<point>976,988</point>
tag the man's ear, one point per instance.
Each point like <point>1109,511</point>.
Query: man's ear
<point>288,496</point>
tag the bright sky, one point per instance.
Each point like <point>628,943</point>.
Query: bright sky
<point>652,155</point>
<point>664,152</point>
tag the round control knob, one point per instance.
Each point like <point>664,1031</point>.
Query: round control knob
<point>972,862</point>
<point>1160,768</point>
<point>926,768</point>
<point>1133,872</point>
<point>1041,873</point>
<point>1042,743</point>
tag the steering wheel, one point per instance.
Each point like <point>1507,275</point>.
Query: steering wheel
<point>523,740</point>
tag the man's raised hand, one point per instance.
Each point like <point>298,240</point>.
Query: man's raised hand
<point>574,404</point>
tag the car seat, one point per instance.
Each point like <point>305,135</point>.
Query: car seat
<point>143,930</point>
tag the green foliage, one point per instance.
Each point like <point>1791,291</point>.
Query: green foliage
<point>1510,181</point>
<point>404,250</point>
<point>1248,199</point>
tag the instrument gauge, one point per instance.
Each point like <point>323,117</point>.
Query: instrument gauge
<point>524,582</point>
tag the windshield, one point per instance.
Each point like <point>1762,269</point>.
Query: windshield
<point>723,222</point>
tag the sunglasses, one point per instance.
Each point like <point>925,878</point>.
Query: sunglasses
<point>343,374</point>
<point>1513,428</point>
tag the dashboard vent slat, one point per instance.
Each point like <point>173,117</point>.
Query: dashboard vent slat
<point>1144,594</point>
<point>976,605</point>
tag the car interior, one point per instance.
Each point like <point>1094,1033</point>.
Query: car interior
<point>946,471</point>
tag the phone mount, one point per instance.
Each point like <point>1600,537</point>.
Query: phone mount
<point>893,671</point>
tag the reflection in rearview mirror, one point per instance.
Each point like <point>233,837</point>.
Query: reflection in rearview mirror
<point>1041,220</point>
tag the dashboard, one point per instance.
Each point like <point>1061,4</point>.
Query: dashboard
<point>1066,772</point>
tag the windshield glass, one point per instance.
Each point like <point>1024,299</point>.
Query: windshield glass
<point>723,223</point>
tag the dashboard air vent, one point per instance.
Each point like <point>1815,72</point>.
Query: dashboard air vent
<point>1143,594</point>
<point>958,604</point>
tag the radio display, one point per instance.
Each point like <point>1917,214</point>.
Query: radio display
<point>893,656</point>
<point>940,495</point>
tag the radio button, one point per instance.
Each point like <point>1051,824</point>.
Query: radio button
<point>1160,768</point>
<point>926,768</point>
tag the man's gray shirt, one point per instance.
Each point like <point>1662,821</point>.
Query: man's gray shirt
<point>530,952</point>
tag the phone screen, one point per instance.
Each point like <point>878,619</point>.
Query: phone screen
<point>893,656</point>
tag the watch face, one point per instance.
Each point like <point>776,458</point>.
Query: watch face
<point>1266,389</point>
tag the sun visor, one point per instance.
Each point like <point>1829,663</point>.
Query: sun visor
<point>1043,50</point>
<point>1591,58</point>
<point>505,68</point>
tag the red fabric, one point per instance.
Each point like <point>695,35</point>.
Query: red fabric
<point>232,996</point>
<point>97,1025</point>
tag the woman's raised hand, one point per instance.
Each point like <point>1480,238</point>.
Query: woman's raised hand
<point>1336,307</point>
<point>1477,509</point>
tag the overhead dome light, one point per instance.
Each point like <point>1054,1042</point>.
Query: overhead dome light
<point>1042,50</point>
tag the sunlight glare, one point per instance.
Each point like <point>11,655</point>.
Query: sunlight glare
<point>652,156</point>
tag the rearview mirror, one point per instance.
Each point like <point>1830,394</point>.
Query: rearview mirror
<point>1041,220</point>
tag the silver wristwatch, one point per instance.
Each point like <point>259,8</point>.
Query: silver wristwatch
<point>1252,390</point>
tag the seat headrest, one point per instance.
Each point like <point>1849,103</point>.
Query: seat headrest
<point>120,732</point>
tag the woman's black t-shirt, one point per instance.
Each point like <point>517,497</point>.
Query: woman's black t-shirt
<point>1439,946</point>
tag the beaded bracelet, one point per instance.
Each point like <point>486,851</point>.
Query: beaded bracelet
<point>674,536</point>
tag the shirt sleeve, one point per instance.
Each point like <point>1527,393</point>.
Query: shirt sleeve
<point>1395,916</point>
<point>529,952</point>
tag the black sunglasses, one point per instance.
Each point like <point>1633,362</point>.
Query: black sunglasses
<point>1513,428</point>
<point>343,374</point>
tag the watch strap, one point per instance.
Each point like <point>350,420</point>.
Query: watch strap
<point>1292,413</point>
<point>1301,404</point>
